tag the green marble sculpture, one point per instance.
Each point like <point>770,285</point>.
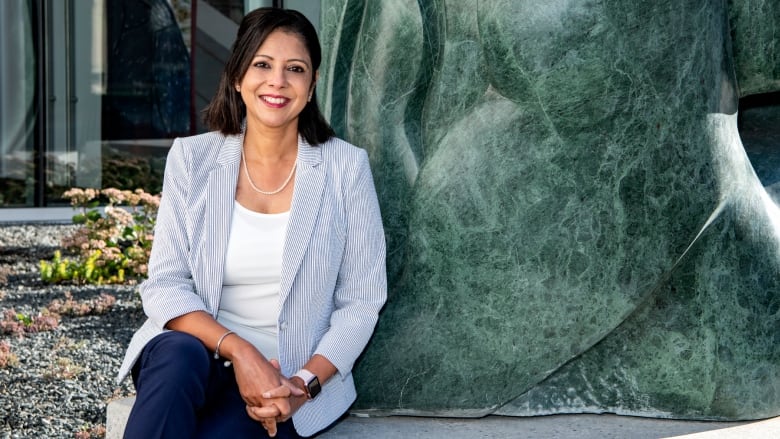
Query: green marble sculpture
<point>573,224</point>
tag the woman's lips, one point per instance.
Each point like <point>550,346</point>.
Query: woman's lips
<point>275,101</point>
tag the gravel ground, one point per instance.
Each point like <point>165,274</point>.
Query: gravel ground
<point>62,379</point>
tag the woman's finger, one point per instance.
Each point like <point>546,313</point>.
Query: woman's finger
<point>265,412</point>
<point>267,422</point>
<point>283,391</point>
<point>270,427</point>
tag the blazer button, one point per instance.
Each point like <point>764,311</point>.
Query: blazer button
<point>283,326</point>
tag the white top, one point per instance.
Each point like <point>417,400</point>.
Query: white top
<point>249,305</point>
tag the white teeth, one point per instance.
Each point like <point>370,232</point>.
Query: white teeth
<point>276,101</point>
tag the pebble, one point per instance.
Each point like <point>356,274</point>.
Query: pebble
<point>64,377</point>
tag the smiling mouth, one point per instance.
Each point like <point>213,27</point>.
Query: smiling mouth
<point>274,100</point>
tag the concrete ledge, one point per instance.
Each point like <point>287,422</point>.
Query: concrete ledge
<point>117,412</point>
<point>490,427</point>
<point>37,215</point>
<point>766,429</point>
<point>548,427</point>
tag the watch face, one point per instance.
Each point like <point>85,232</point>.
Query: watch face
<point>314,387</point>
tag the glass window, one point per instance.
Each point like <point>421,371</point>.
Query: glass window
<point>116,91</point>
<point>145,102</point>
<point>92,92</point>
<point>17,104</point>
<point>233,9</point>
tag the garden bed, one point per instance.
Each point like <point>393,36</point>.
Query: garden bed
<point>56,383</point>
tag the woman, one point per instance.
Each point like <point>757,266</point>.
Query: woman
<point>268,267</point>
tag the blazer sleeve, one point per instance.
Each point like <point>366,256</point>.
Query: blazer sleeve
<point>361,285</point>
<point>169,290</point>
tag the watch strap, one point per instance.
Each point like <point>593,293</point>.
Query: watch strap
<point>305,375</point>
<point>311,384</point>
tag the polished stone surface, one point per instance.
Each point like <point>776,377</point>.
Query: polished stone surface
<point>573,223</point>
<point>755,27</point>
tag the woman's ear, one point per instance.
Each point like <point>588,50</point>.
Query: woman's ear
<point>313,85</point>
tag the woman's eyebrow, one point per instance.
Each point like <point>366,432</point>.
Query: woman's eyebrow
<point>260,55</point>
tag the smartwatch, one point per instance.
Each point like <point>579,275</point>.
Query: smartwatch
<point>311,384</point>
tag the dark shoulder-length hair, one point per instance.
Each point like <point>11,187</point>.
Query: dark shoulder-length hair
<point>226,111</point>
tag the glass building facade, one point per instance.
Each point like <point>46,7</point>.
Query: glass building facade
<point>92,92</point>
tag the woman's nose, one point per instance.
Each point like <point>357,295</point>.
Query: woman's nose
<point>278,77</point>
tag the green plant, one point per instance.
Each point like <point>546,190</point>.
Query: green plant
<point>112,245</point>
<point>60,270</point>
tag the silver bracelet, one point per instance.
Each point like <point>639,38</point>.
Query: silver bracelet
<point>219,343</point>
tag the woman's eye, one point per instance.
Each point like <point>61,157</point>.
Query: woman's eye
<point>261,64</point>
<point>296,69</point>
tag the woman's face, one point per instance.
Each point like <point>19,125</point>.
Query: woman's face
<point>278,82</point>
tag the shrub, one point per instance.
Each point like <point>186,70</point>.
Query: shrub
<point>112,246</point>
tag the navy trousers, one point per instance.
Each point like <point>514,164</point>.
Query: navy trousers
<point>183,392</point>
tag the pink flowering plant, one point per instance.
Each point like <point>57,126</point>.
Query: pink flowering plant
<point>7,358</point>
<point>13,322</point>
<point>72,307</point>
<point>114,242</point>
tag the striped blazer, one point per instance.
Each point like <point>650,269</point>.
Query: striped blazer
<point>333,280</point>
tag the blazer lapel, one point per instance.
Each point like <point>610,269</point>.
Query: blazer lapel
<point>307,197</point>
<point>220,194</point>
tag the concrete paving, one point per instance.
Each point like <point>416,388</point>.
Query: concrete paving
<point>500,427</point>
<point>548,427</point>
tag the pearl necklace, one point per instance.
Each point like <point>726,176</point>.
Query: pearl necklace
<point>258,190</point>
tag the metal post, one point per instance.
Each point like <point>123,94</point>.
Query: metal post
<point>40,12</point>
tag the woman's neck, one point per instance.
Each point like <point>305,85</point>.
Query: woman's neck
<point>271,144</point>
